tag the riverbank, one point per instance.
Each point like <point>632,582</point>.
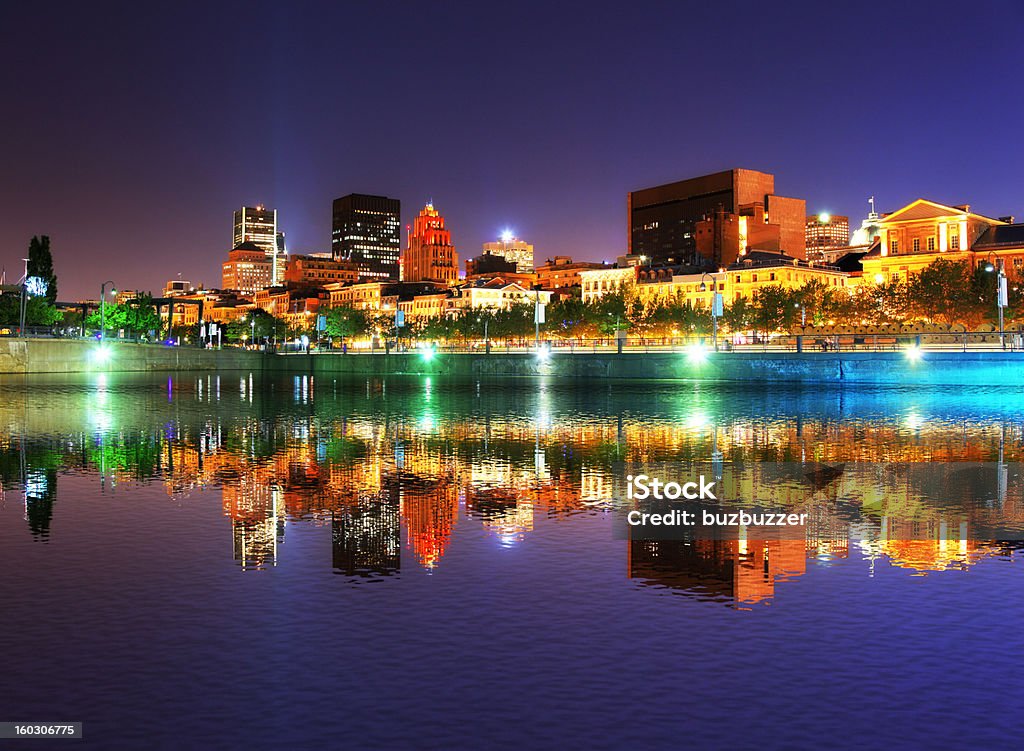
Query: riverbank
<point>918,367</point>
<point>26,356</point>
<point>950,368</point>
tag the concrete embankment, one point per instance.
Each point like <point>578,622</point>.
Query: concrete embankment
<point>977,368</point>
<point>954,368</point>
<point>85,356</point>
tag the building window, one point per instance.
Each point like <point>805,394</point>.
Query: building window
<point>916,244</point>
<point>931,243</point>
<point>954,240</point>
<point>894,246</point>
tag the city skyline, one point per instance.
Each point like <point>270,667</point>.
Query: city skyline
<point>105,152</point>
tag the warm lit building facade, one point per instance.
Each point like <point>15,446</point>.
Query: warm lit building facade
<point>596,283</point>
<point>512,249</point>
<point>317,270</point>
<point>562,273</point>
<point>178,287</point>
<point>495,294</point>
<point>247,269</point>
<point>663,220</point>
<point>430,257</point>
<point>367,230</point>
<point>744,279</point>
<point>826,232</point>
<point>917,234</point>
<point>258,225</point>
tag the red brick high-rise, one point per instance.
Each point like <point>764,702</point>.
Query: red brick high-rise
<point>430,257</point>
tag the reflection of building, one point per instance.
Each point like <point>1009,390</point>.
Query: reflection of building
<point>430,257</point>
<point>927,545</point>
<point>744,570</point>
<point>366,538</point>
<point>430,509</point>
<point>40,492</point>
<point>367,231</point>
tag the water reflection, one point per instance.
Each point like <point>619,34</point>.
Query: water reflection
<point>395,468</point>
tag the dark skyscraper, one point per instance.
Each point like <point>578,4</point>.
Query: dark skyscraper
<point>367,230</point>
<point>663,220</point>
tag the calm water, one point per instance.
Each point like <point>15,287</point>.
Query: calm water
<point>223,561</point>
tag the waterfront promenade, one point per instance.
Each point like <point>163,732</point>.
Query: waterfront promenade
<point>986,365</point>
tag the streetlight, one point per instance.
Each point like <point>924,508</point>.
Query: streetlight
<point>103,311</point>
<point>803,312</point>
<point>1001,296</point>
<point>716,306</point>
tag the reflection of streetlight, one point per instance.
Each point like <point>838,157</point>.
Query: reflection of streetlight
<point>103,300</point>
<point>1000,291</point>
<point>716,301</point>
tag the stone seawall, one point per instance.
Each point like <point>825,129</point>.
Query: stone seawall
<point>988,368</point>
<point>953,368</point>
<point>82,356</point>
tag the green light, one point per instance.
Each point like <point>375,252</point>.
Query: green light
<point>427,354</point>
<point>696,353</point>
<point>101,355</point>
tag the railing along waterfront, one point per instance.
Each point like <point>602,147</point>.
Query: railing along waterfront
<point>805,343</point>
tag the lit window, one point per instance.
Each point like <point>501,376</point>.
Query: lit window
<point>916,244</point>
<point>931,243</point>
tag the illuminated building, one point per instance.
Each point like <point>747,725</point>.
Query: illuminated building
<point>597,283</point>
<point>430,257</point>
<point>495,294</point>
<point>743,279</point>
<point>258,225</point>
<point>178,287</point>
<point>708,221</point>
<point>488,263</point>
<point>914,236</point>
<point>561,272</point>
<point>367,231</point>
<point>247,269</point>
<point>513,250</point>
<point>316,270</point>
<point>826,232</point>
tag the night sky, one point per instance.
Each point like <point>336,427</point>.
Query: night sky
<point>130,134</point>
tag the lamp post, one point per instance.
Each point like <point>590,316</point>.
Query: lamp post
<point>996,264</point>
<point>803,312</point>
<point>715,298</point>
<point>103,310</point>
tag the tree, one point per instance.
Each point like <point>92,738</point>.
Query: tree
<point>568,318</point>
<point>346,323</point>
<point>739,316</point>
<point>40,264</point>
<point>949,292</point>
<point>136,316</point>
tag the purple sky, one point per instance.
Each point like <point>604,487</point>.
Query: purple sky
<point>130,134</point>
